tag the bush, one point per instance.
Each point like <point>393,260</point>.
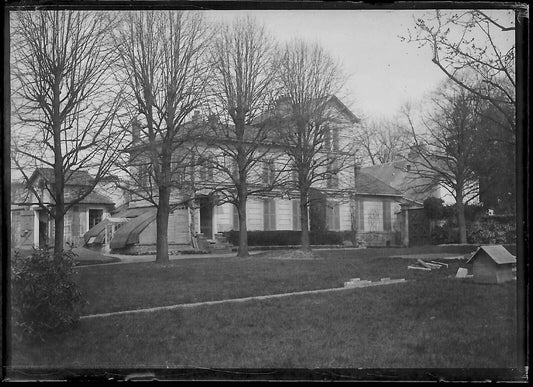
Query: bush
<point>290,237</point>
<point>44,298</point>
<point>489,231</point>
<point>444,234</point>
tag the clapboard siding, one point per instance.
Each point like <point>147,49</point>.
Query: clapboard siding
<point>178,230</point>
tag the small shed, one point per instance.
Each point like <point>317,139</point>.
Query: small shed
<point>492,265</point>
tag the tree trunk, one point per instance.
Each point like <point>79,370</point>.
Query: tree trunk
<point>243,232</point>
<point>163,211</point>
<point>304,217</point>
<point>59,224</point>
<point>461,221</point>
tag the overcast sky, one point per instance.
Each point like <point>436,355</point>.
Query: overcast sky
<point>384,71</point>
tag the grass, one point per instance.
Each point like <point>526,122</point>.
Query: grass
<point>433,320</point>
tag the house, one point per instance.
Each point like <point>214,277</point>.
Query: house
<point>365,205</point>
<point>31,223</point>
<point>378,221</point>
<point>492,265</point>
<point>402,175</point>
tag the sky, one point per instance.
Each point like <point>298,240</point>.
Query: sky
<point>384,72</point>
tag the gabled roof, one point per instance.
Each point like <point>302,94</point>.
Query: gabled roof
<point>366,184</point>
<point>71,178</point>
<point>498,254</point>
<point>397,175</point>
<point>94,198</point>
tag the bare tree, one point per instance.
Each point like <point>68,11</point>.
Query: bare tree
<point>473,48</point>
<point>242,91</point>
<point>64,103</point>
<point>162,57</point>
<point>476,50</point>
<point>382,141</point>
<point>446,153</point>
<point>309,128</point>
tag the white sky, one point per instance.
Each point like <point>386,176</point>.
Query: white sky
<point>384,71</point>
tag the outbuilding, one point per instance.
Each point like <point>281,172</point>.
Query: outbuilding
<point>492,265</point>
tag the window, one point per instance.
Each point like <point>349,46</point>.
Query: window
<point>333,216</point>
<point>95,217</point>
<point>386,216</point>
<point>269,215</point>
<point>332,177</point>
<point>268,172</point>
<point>296,212</point>
<point>327,138</point>
<point>206,171</point>
<point>373,213</point>
<point>331,138</point>
<point>335,136</point>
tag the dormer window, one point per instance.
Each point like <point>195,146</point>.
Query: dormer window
<point>408,167</point>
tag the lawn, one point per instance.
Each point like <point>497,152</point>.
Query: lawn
<point>433,320</point>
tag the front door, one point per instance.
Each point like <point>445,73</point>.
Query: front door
<point>206,217</point>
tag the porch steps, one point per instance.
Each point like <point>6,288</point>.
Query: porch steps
<point>220,244</point>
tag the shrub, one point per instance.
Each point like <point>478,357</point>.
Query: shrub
<point>489,231</point>
<point>444,234</point>
<point>45,299</point>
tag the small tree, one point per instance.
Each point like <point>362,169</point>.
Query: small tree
<point>162,56</point>
<point>65,105</point>
<point>309,128</point>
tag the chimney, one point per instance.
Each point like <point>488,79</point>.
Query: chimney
<point>356,169</point>
<point>135,131</point>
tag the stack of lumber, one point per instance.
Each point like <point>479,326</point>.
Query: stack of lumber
<point>427,265</point>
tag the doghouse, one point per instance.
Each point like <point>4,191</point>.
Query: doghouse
<point>492,265</point>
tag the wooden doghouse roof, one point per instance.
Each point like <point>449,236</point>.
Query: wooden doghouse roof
<point>499,254</point>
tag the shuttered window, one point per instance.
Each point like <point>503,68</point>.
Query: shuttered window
<point>269,215</point>
<point>269,172</point>
<point>333,216</point>
<point>361,216</point>
<point>386,216</point>
<point>335,136</point>
<point>296,213</point>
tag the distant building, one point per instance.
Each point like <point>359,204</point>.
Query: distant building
<point>31,224</point>
<point>402,175</point>
<point>492,265</point>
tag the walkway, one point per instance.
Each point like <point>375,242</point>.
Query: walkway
<point>100,258</point>
<point>244,299</point>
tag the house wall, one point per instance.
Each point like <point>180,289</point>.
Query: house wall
<point>25,233</point>
<point>178,229</point>
<point>22,228</point>
<point>374,226</point>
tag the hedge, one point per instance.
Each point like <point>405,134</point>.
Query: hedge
<point>290,237</point>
